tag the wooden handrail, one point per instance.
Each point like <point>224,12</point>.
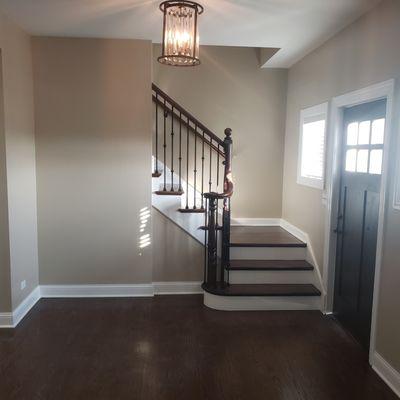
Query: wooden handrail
<point>186,113</point>
<point>185,124</point>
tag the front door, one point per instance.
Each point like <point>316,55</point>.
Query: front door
<point>361,169</point>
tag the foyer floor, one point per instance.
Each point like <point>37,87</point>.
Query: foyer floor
<point>172,347</point>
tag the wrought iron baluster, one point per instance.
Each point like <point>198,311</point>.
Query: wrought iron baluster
<point>172,149</point>
<point>180,152</point>
<point>218,166</point>
<point>156,170</point>
<point>210,173</point>
<point>195,167</point>
<point>187,164</point>
<point>165,145</point>
<point>202,173</point>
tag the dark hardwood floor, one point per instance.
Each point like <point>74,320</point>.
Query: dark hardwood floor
<point>172,347</point>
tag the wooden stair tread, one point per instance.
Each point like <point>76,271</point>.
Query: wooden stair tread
<point>191,210</point>
<point>169,192</point>
<point>267,290</point>
<point>270,265</point>
<point>263,236</point>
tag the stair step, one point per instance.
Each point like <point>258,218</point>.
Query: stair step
<point>169,192</point>
<point>264,290</point>
<point>191,210</point>
<point>156,174</point>
<point>263,236</point>
<point>270,265</point>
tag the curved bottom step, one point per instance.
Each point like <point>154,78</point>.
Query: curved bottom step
<point>261,303</point>
<point>248,297</point>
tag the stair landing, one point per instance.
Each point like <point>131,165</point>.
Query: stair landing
<point>263,236</point>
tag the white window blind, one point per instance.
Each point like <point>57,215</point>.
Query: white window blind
<point>311,164</point>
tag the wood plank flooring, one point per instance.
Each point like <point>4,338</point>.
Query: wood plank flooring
<point>174,348</point>
<point>263,236</point>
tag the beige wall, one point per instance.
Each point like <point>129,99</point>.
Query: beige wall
<point>177,256</point>
<point>365,53</point>
<point>229,89</point>
<point>5,278</point>
<point>93,151</point>
<point>20,158</point>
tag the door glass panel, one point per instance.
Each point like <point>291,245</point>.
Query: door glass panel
<point>352,134</point>
<point>364,131</point>
<point>375,162</point>
<point>362,161</point>
<point>378,131</point>
<point>351,160</point>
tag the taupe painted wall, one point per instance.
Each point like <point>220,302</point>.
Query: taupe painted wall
<point>365,53</point>
<point>176,255</point>
<point>5,278</point>
<point>93,151</point>
<point>229,89</point>
<point>20,160</point>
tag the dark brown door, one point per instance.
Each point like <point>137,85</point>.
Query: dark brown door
<point>361,169</point>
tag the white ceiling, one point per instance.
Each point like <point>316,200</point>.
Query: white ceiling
<point>295,26</point>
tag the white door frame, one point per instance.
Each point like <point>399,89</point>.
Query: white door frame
<point>384,90</point>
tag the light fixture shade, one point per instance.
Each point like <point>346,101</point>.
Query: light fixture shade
<point>180,45</point>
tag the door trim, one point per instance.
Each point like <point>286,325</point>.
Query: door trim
<point>384,90</point>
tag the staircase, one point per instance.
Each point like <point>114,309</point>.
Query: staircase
<point>245,267</point>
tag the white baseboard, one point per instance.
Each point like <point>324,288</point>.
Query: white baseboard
<point>177,288</point>
<point>386,372</point>
<point>6,320</point>
<point>139,290</point>
<point>294,231</point>
<point>11,320</point>
<point>310,256</point>
<point>256,222</point>
<point>23,309</point>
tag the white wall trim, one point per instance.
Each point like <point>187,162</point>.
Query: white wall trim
<point>295,231</point>
<point>137,290</point>
<point>304,237</point>
<point>12,319</point>
<point>256,222</point>
<point>20,312</point>
<point>177,288</point>
<point>386,372</point>
<point>6,320</point>
<point>374,92</point>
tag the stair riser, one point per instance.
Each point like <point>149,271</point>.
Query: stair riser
<point>268,253</point>
<point>249,303</point>
<point>271,277</point>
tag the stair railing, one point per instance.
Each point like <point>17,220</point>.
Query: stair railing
<point>196,155</point>
<point>216,269</point>
<point>196,148</point>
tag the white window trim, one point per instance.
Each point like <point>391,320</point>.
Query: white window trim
<point>396,194</point>
<point>306,114</point>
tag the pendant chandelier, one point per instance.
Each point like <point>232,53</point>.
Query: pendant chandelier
<point>180,45</point>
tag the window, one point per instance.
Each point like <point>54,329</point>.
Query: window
<point>311,163</point>
<point>364,146</point>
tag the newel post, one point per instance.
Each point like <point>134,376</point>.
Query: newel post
<point>226,211</point>
<point>212,252</point>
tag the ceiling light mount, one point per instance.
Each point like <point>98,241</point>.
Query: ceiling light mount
<point>180,44</point>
